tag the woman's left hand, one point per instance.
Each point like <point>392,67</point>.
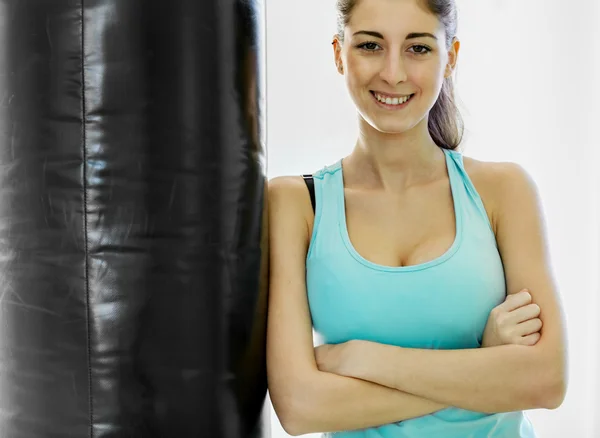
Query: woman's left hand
<point>336,358</point>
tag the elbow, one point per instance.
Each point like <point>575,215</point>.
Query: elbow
<point>554,395</point>
<point>551,375</point>
<point>295,431</point>
<point>287,414</point>
<point>298,420</point>
<point>294,423</point>
<point>553,392</point>
<point>290,428</point>
<point>294,411</point>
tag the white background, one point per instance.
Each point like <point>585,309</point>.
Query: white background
<point>525,88</point>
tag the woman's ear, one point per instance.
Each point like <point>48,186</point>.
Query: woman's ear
<point>452,57</point>
<point>337,53</point>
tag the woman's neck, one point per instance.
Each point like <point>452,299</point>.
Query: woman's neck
<point>394,162</point>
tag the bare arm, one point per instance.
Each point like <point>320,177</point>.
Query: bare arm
<point>332,403</point>
<point>305,399</point>
<point>496,379</point>
<point>505,378</point>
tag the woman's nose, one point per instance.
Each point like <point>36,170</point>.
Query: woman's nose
<point>393,70</point>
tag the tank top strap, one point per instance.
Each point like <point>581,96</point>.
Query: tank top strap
<point>327,181</point>
<point>468,198</point>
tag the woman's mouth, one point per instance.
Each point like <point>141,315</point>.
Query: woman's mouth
<point>390,102</point>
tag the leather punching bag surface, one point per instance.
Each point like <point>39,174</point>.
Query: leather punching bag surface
<point>132,234</point>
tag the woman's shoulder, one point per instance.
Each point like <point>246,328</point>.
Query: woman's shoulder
<point>490,179</point>
<point>492,175</point>
<point>290,193</point>
<point>290,187</point>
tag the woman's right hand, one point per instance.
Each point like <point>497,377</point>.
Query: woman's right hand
<point>515,321</point>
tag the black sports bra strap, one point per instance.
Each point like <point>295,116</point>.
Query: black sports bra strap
<point>310,183</point>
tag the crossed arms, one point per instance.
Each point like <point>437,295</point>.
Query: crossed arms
<point>368,384</point>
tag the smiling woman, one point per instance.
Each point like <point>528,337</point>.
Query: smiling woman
<point>421,53</point>
<point>411,262</point>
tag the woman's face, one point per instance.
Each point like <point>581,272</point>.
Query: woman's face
<point>385,56</point>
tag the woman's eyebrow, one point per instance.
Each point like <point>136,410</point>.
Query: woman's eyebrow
<point>408,37</point>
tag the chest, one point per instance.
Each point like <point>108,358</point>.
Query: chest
<point>445,306</point>
<point>409,229</point>
<point>442,305</point>
<point>401,231</point>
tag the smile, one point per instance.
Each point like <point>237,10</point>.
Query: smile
<point>391,102</point>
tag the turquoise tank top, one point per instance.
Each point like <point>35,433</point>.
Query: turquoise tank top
<point>442,304</point>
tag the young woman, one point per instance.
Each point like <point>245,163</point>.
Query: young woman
<point>411,259</point>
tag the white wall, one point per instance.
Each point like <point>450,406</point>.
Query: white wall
<point>593,313</point>
<point>525,87</point>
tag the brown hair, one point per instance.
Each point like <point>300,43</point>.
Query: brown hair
<point>445,123</point>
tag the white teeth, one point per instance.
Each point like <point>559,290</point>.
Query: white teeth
<point>391,100</point>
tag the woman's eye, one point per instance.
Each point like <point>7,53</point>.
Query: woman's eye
<point>424,49</point>
<point>369,46</point>
<point>417,49</point>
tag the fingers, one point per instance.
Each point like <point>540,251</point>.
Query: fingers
<point>531,339</point>
<point>529,327</point>
<point>514,301</point>
<point>524,313</point>
<point>516,320</point>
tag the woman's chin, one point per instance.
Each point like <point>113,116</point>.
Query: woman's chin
<point>390,127</point>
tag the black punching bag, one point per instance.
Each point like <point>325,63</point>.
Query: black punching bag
<point>132,235</point>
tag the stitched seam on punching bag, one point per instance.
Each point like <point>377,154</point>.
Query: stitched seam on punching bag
<point>85,220</point>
